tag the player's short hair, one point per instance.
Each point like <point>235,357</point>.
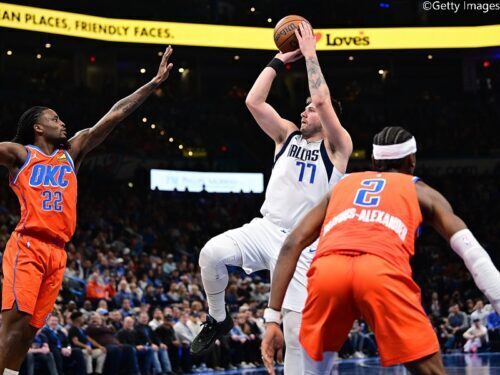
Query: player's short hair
<point>390,135</point>
<point>25,131</point>
<point>337,106</point>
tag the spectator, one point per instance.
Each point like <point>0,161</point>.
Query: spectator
<point>115,319</point>
<point>91,349</point>
<point>494,330</point>
<point>127,309</point>
<point>122,293</point>
<point>157,320</point>
<point>145,336</point>
<point>127,335</point>
<point>481,312</point>
<point>95,289</point>
<point>458,322</point>
<point>476,336</point>
<point>166,335</point>
<point>40,354</point>
<point>118,356</point>
<point>64,357</point>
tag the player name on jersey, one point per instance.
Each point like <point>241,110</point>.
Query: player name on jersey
<point>369,216</point>
<point>302,153</point>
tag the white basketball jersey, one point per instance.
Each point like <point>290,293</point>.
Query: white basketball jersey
<point>302,175</point>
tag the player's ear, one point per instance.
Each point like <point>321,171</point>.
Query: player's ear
<point>38,128</point>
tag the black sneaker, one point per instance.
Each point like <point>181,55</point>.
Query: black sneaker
<point>212,330</point>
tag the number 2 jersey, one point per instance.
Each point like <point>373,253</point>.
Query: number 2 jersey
<point>46,187</point>
<point>302,175</point>
<point>375,213</point>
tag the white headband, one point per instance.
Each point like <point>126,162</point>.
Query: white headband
<point>397,151</point>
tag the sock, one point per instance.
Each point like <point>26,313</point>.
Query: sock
<point>10,372</point>
<point>217,306</point>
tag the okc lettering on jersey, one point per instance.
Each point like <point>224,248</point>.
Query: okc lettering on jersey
<point>303,154</point>
<point>50,175</point>
<point>369,216</point>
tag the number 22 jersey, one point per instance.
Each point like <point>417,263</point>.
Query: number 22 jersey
<point>46,187</point>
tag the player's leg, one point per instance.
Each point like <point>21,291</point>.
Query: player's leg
<point>22,280</point>
<point>323,367</point>
<point>291,329</point>
<point>219,252</point>
<point>390,302</point>
<point>329,312</point>
<point>16,336</point>
<point>430,365</point>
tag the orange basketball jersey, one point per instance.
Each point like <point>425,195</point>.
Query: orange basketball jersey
<point>46,187</point>
<point>373,212</point>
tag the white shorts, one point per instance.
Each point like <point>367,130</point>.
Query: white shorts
<point>260,242</point>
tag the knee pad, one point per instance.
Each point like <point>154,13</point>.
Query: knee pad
<point>216,254</point>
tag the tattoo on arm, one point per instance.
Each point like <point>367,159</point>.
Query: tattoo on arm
<point>314,74</point>
<point>134,100</point>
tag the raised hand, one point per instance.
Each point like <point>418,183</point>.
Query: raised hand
<point>165,67</point>
<point>306,39</point>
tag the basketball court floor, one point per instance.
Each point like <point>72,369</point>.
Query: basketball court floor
<point>456,364</point>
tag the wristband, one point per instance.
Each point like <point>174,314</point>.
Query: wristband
<point>276,64</point>
<point>272,316</point>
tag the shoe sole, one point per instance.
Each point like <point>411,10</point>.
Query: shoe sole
<point>209,345</point>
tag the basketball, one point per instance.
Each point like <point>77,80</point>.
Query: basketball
<point>284,33</point>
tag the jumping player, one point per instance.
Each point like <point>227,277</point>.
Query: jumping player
<point>362,267</point>
<point>43,163</point>
<point>306,165</point>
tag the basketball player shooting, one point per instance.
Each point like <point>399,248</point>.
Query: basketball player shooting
<point>367,231</point>
<point>42,165</point>
<point>307,163</point>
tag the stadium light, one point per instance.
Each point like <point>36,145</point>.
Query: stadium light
<point>144,119</point>
<point>143,70</point>
<point>38,56</point>
<point>269,20</point>
<point>181,70</point>
<point>429,57</point>
<point>351,58</point>
<point>9,53</point>
<point>252,9</point>
<point>153,126</point>
<point>48,45</point>
<point>170,139</point>
<point>236,57</point>
<point>181,147</point>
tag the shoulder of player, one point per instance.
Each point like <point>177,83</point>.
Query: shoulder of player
<point>13,154</point>
<point>291,130</point>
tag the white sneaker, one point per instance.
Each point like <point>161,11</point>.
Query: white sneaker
<point>359,355</point>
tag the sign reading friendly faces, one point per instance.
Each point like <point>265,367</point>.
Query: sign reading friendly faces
<point>211,182</point>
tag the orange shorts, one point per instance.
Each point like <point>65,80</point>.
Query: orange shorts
<point>33,273</point>
<point>342,288</point>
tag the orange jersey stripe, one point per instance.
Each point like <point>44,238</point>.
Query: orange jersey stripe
<point>372,212</point>
<point>46,187</point>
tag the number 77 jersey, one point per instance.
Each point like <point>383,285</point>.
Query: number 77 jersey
<point>46,187</point>
<point>375,213</point>
<point>302,175</point>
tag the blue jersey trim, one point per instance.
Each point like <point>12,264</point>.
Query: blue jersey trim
<point>43,153</point>
<point>285,145</point>
<point>14,178</point>
<point>415,179</point>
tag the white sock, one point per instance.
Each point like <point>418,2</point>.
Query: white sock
<point>217,305</point>
<point>10,372</point>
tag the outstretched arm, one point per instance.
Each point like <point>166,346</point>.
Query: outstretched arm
<point>338,138</point>
<point>87,139</point>
<point>266,116</point>
<point>438,212</point>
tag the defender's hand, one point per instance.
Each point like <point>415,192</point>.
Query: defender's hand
<point>165,67</point>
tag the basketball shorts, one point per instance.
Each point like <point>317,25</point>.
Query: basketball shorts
<point>260,243</point>
<point>33,274</point>
<point>342,288</point>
